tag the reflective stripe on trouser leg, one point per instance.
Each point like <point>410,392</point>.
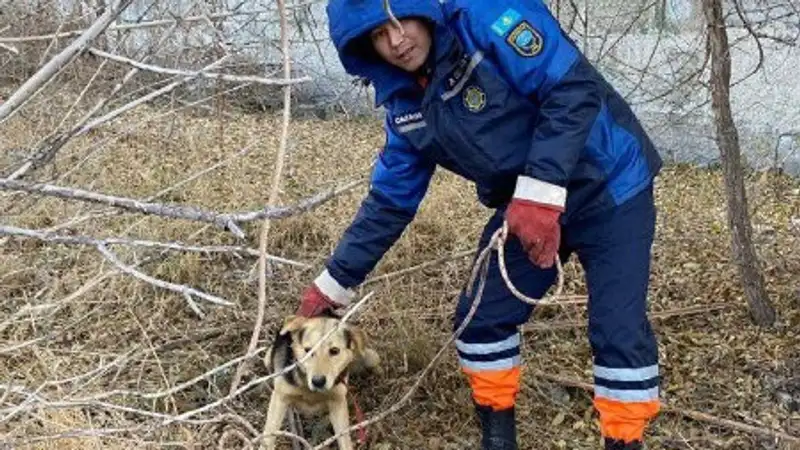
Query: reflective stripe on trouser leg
<point>489,347</point>
<point>492,368</point>
<point>614,249</point>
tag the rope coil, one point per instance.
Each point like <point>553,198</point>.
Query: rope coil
<point>497,242</point>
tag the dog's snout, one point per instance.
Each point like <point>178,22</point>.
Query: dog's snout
<point>318,381</point>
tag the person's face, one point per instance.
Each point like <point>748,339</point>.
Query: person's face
<point>406,46</point>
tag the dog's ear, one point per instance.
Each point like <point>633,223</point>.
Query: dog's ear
<point>292,323</point>
<point>356,340</point>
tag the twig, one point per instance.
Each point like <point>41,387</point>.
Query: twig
<point>100,214</point>
<point>732,424</point>
<point>296,439</point>
<point>65,404</point>
<point>696,415</point>
<point>199,74</point>
<point>167,392</point>
<point>53,332</point>
<point>273,195</point>
<point>222,220</point>
<point>43,75</point>
<point>417,268</point>
<point>9,48</point>
<point>186,290</point>
<point>77,433</point>
<point>87,240</point>
<point>84,128</point>
<point>73,380</point>
<point>161,23</point>
<point>223,439</point>
<point>567,325</point>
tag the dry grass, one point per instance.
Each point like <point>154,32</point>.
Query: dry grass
<point>717,363</point>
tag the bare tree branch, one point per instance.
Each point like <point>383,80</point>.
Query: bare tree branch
<point>186,290</point>
<point>13,50</point>
<point>77,433</point>
<point>87,240</point>
<point>223,220</point>
<point>53,142</point>
<point>273,195</point>
<point>86,127</point>
<point>199,74</point>
<point>44,74</point>
<point>163,23</point>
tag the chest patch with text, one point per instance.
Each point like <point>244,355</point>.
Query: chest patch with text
<point>409,121</point>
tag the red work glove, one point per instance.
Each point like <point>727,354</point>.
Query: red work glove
<point>315,303</point>
<point>317,297</point>
<point>533,215</point>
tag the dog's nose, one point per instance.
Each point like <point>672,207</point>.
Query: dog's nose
<point>318,381</point>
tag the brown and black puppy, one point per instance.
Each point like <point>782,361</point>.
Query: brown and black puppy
<point>318,384</point>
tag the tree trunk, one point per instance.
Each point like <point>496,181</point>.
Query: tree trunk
<point>761,309</point>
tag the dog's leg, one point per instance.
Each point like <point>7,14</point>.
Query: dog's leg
<point>275,415</point>
<point>340,420</point>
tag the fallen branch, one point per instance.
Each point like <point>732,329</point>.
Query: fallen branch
<point>40,403</point>
<point>199,74</point>
<point>568,325</point>
<point>696,415</point>
<point>227,221</point>
<point>186,290</point>
<point>88,240</point>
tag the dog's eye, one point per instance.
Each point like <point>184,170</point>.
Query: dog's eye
<point>334,351</point>
<point>308,349</point>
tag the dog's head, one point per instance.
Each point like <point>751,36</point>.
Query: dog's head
<point>328,363</point>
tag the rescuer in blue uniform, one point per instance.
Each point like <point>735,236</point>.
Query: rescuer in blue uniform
<point>497,93</point>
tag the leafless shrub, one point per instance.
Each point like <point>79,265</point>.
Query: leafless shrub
<point>134,174</point>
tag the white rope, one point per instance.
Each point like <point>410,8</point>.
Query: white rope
<point>497,242</point>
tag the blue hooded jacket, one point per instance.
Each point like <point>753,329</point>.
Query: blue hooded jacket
<point>511,105</point>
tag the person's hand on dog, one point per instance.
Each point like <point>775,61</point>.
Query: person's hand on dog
<point>315,303</point>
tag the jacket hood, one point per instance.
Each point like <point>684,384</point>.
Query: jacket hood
<point>349,20</point>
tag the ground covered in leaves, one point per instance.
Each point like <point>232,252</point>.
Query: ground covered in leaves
<point>73,326</point>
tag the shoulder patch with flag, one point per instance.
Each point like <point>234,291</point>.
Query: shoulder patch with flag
<point>507,20</point>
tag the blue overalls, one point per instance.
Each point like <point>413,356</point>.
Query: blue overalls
<point>509,94</point>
